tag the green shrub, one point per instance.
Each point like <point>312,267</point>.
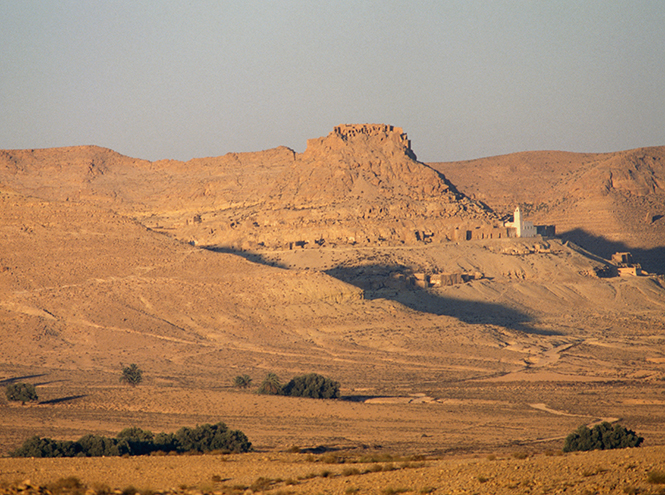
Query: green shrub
<point>21,392</point>
<point>601,437</point>
<point>206,438</point>
<point>46,447</point>
<point>313,386</point>
<point>271,385</point>
<point>98,446</point>
<point>135,441</point>
<point>242,381</point>
<point>132,375</point>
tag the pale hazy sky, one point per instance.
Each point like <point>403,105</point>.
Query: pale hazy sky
<point>465,79</point>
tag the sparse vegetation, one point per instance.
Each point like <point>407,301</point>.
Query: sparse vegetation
<point>601,437</point>
<point>132,375</point>
<point>242,381</point>
<point>70,485</point>
<point>656,477</point>
<point>313,386</point>
<point>262,484</point>
<point>270,385</point>
<point>21,392</point>
<point>393,491</point>
<point>135,441</point>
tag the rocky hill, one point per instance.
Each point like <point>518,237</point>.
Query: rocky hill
<point>605,202</point>
<point>360,185</point>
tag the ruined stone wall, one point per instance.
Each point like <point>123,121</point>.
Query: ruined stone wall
<point>350,131</point>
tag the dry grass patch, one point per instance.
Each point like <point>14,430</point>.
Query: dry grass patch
<point>70,485</point>
<point>656,477</point>
<point>389,490</point>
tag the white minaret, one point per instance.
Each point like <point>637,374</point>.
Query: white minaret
<point>517,221</point>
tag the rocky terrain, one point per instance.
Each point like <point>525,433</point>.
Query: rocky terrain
<point>350,260</point>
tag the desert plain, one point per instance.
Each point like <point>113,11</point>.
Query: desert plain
<point>465,354</point>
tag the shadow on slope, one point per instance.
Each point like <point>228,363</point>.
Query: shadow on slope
<point>652,260</point>
<point>9,381</point>
<point>62,399</point>
<point>376,282</point>
<point>253,257</point>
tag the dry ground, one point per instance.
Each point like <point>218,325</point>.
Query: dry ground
<point>621,471</point>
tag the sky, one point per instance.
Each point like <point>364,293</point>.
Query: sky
<point>465,79</point>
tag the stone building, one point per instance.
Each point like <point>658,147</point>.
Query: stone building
<point>522,228</point>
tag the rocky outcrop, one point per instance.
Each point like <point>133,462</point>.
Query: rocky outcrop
<point>360,185</point>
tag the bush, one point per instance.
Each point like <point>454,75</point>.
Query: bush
<point>602,437</point>
<point>313,386</point>
<point>206,438</point>
<point>135,441</point>
<point>271,385</point>
<point>242,381</point>
<point>132,375</point>
<point>21,392</point>
<point>98,446</point>
<point>45,447</point>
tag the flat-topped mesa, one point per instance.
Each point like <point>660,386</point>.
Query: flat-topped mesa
<point>390,138</point>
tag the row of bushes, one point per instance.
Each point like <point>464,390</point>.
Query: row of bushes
<point>311,385</point>
<point>135,441</point>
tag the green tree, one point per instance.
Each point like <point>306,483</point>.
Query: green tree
<point>313,386</point>
<point>132,375</point>
<point>603,436</point>
<point>242,381</point>
<point>271,385</point>
<point>21,392</point>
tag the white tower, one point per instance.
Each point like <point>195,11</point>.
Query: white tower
<point>517,221</point>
